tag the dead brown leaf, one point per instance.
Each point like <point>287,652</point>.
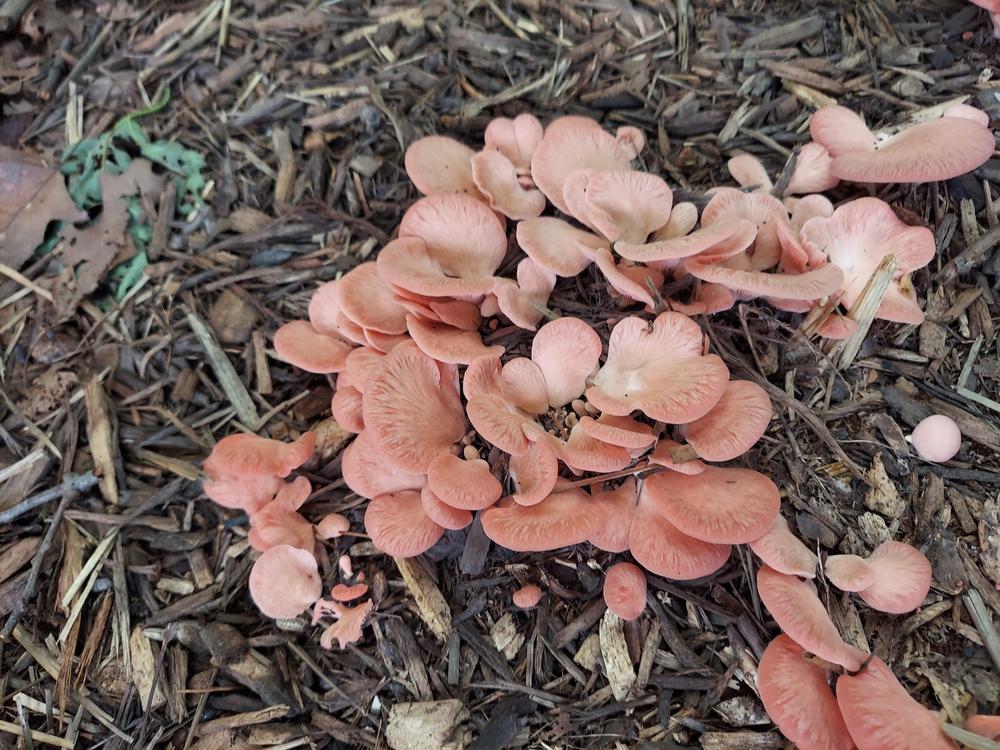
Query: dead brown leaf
<point>31,196</point>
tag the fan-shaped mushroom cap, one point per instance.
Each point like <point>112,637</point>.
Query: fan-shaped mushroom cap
<point>780,549</point>
<point>567,351</point>
<point>399,526</point>
<point>369,300</point>
<point>812,171</point>
<point>361,365</point>
<point>324,308</point>
<point>685,245</point>
<point>272,527</point>
<point>343,593</point>
<point>411,412</point>
<point>461,233</point>
<point>937,438</point>
<point>632,140</point>
<point>849,572</point>
<point>749,171</point>
<point>809,285</point>
<point>446,343</point>
<point>441,513</point>
<point>562,519</point>
<point>857,237</point>
<point>332,525</point>
<point>987,726</point>
<point>348,627</point>
<point>570,144</point>
<point>438,164</point>
<point>621,280</point>
<point>534,473</point>
<point>407,263</point>
<point>284,581</point>
<point>586,453</point>
<point>366,473</point>
<point>623,431</point>
<point>801,615</point>
<point>798,698</point>
<point>516,139</point>
<point>929,151</point>
<point>763,209</point>
<point>661,548</point>
<point>663,456</point>
<point>659,370</point>
<point>721,506</point>
<point>299,344</point>
<point>733,425</point>
<point>619,505</point>
<point>524,302</point>
<point>625,590</point>
<point>468,485</point>
<point>624,205</point>
<point>901,578</point>
<point>246,456</point>
<point>522,382</point>
<point>527,596</point>
<point>496,178</point>
<point>881,715</point>
<point>346,408</point>
<point>557,245</point>
<point>249,494</point>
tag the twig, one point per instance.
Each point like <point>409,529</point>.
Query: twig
<point>972,257</point>
<point>224,371</point>
<point>969,739</point>
<point>865,307</point>
<point>74,483</point>
<point>984,623</point>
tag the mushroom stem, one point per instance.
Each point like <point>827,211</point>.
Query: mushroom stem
<point>638,469</point>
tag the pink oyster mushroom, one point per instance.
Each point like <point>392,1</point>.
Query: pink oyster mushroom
<point>797,696</point>
<point>938,149</point>
<point>857,237</point>
<point>895,578</point>
<point>625,590</point>
<point>781,550</point>
<point>811,173</point>
<point>527,597</point>
<point>284,581</point>
<point>246,471</point>
<point>349,625</point>
<point>936,438</point>
<point>279,523</point>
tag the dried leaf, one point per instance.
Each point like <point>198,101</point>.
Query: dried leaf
<point>430,725</point>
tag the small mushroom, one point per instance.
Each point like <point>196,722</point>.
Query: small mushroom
<point>284,581</point>
<point>936,438</point>
<point>527,596</point>
<point>625,590</point>
<point>895,578</point>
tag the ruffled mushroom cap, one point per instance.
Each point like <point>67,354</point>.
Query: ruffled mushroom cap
<point>497,179</point>
<point>632,140</point>
<point>275,527</point>
<point>563,519</point>
<point>626,205</point>
<point>797,696</point>
<point>749,172</point>
<point>659,370</point>
<point>780,549</point>
<point>399,526</point>
<point>332,526</point>
<point>349,627</point>
<point>248,495</point>
<point>361,365</point>
<point>813,171</point>
<point>527,596</point>
<point>410,411</point>
<point>343,593</point>
<point>734,424</point>
<point>857,237</point>
<point>464,236</point>
<point>720,506</point>
<point>937,438</point>
<point>927,152</point>
<point>895,578</point>
<point>663,455</point>
<point>366,473</point>
<point>501,410</point>
<point>534,472</point>
<point>622,431</point>
<point>438,164</point>
<point>524,302</point>
<point>515,139</point>
<point>764,210</point>
<point>346,408</point>
<point>247,456</point>
<point>986,726</point>
<point>661,548</point>
<point>557,245</point>
<point>446,343</point>
<point>679,246</point>
<point>570,144</point>
<point>567,351</point>
<point>301,345</point>
<point>463,484</point>
<point>583,452</point>
<point>625,590</point>
<point>368,300</point>
<point>881,715</point>
<point>442,513</point>
<point>284,581</point>
<point>801,615</point>
<point>619,505</point>
<point>621,280</point>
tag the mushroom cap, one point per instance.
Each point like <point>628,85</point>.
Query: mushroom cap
<point>762,209</point>
<point>446,343</point>
<point>663,456</point>
<point>632,140</point>
<point>246,456</point>
<point>346,408</point>
<point>622,431</point>
<point>284,581</point>
<point>273,527</point>
<point>681,245</point>
<point>625,590</point>
<point>361,365</point>
<point>562,519</point>
<point>987,726</point>
<point>719,505</point>
<point>349,625</point>
<point>369,300</point>
<point>411,411</point>
<point>301,345</point>
<point>797,696</point>
<point>407,264</point>
<point>620,205</point>
<point>441,513</point>
<point>515,138</point>
<point>527,596</point>
<point>660,370</point>
<point>462,484</point>
<point>567,351</point>
<point>734,424</point>
<point>812,171</point>
<point>780,549</point>
<point>749,172</point>
<point>801,615</point>
<point>902,578</point>
<point>343,593</point>
<point>438,164</point>
<point>881,715</point>
<point>840,131</point>
<point>524,302</point>
<point>332,525</point>
<point>249,494</point>
<point>584,452</point>
<point>557,245</point>
<point>497,179</point>
<point>937,438</point>
<point>849,572</point>
<point>619,505</point>
<point>399,526</point>
<point>534,472</point>
<point>621,280</point>
<point>366,473</point>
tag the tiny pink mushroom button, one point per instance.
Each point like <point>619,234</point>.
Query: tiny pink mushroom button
<point>937,438</point>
